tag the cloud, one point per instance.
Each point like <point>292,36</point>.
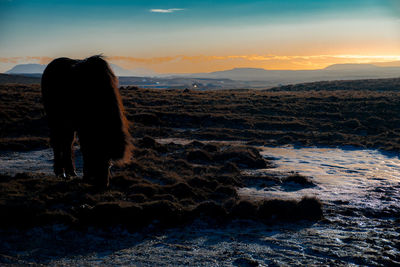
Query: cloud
<point>153,60</point>
<point>206,63</point>
<point>16,60</point>
<point>205,58</point>
<point>169,10</point>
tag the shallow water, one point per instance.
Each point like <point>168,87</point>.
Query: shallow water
<point>360,190</point>
<point>366,179</point>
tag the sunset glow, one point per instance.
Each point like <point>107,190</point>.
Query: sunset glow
<point>188,36</point>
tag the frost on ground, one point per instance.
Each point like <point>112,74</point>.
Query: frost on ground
<point>360,190</point>
<point>336,242</point>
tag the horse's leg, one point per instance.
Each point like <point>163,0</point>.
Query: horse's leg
<point>68,153</point>
<point>90,163</point>
<point>87,165</point>
<point>58,169</point>
<point>95,170</point>
<point>56,144</point>
<point>103,174</point>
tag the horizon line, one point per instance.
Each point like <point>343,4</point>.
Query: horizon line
<point>229,69</point>
<point>198,64</point>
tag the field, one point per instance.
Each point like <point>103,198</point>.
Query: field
<point>182,177</point>
<point>347,116</point>
<point>218,135</point>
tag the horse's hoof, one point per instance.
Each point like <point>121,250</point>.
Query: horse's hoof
<point>62,175</point>
<point>101,185</point>
<point>71,174</point>
<point>88,179</point>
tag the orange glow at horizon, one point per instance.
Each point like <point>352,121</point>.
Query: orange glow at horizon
<point>202,63</point>
<point>206,63</point>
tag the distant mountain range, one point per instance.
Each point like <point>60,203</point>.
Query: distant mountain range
<point>26,69</point>
<point>333,72</point>
<point>137,72</point>
<point>237,77</point>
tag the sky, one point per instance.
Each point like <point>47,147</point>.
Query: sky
<point>202,36</point>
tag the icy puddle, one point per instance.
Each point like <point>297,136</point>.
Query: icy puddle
<point>13,162</point>
<point>361,179</point>
<point>32,161</point>
<point>360,190</point>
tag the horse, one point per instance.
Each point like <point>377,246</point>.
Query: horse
<point>81,98</point>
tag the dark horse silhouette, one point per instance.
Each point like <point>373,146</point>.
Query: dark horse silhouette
<point>82,96</point>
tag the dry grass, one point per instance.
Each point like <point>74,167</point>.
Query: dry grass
<point>160,184</point>
<point>174,183</point>
<point>368,119</point>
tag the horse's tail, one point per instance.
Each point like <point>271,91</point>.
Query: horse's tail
<point>101,85</point>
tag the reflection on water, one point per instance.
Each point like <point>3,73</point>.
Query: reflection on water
<point>344,164</point>
<point>360,177</point>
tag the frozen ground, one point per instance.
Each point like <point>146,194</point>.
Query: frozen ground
<point>358,179</point>
<point>13,162</point>
<point>360,190</point>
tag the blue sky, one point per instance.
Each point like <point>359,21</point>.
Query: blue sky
<point>153,34</point>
